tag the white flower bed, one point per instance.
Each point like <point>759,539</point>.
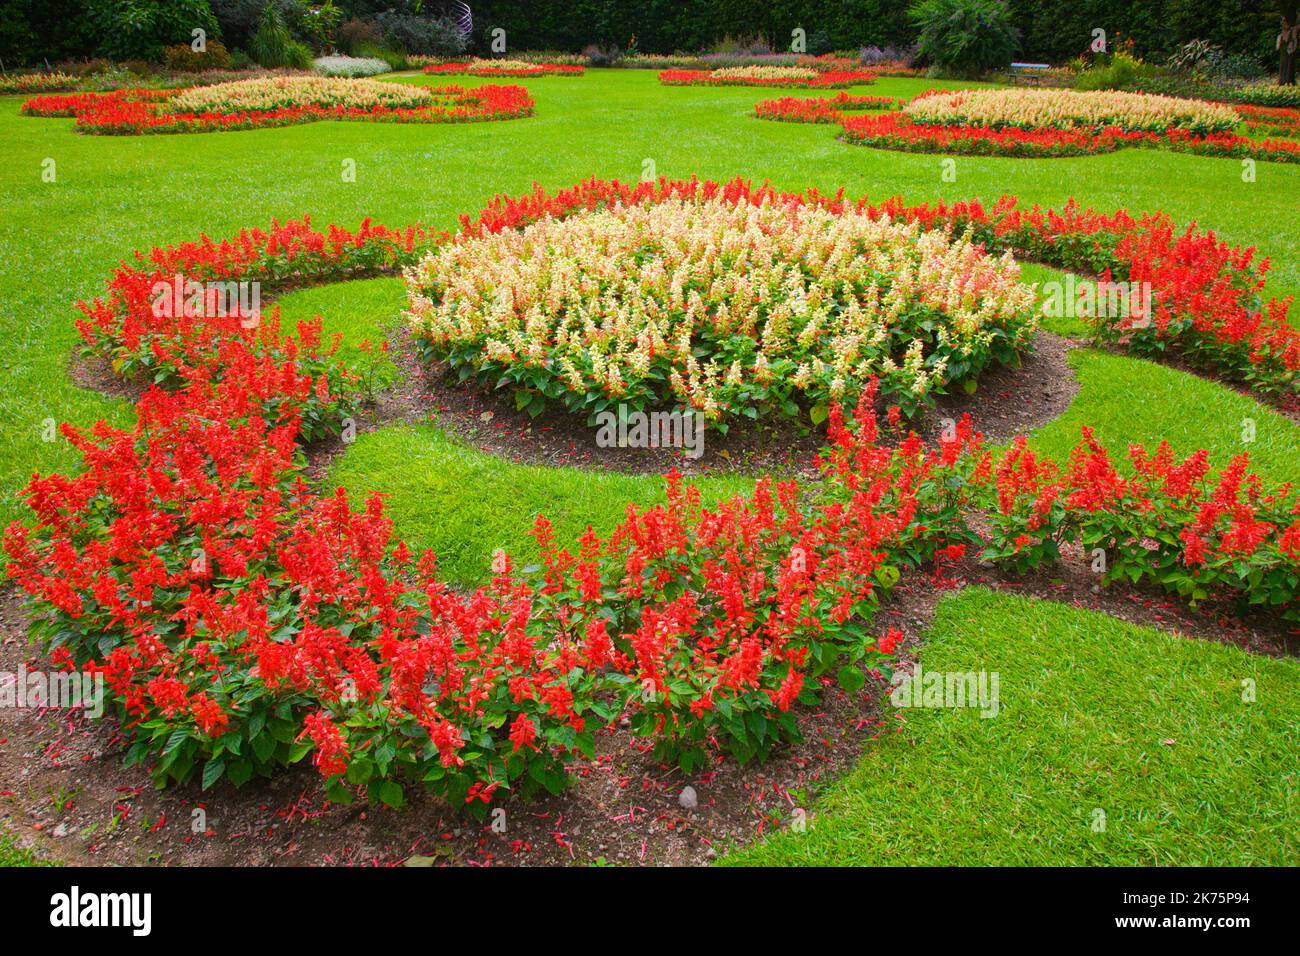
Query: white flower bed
<point>729,309</point>
<point>1068,109</point>
<point>352,66</point>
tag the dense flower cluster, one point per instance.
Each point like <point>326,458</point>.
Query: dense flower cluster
<point>726,308</point>
<point>243,622</point>
<point>797,109</point>
<point>350,66</point>
<point>1041,109</point>
<point>166,346</point>
<point>1270,120</point>
<point>36,82</point>
<point>1205,292</point>
<point>280,101</point>
<point>767,76</point>
<point>504,67</point>
<point>1171,523</point>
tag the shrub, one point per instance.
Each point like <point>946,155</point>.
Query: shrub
<point>355,35</point>
<point>423,35</point>
<point>318,24</point>
<point>875,56</point>
<point>599,55</point>
<point>183,58</point>
<point>1120,71</point>
<point>965,38</point>
<point>274,46</point>
<point>138,29</point>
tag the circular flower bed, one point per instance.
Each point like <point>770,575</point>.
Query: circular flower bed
<point>766,76</point>
<point>279,101</point>
<point>515,68</point>
<point>725,308</point>
<point>804,109</point>
<point>1003,123</point>
<point>1068,110</point>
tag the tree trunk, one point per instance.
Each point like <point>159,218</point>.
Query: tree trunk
<point>1288,40</point>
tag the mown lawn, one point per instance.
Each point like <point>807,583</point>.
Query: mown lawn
<point>113,195</point>
<point>1095,715</point>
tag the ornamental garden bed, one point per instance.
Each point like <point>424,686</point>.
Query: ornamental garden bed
<point>794,76</point>
<point>505,67</point>
<point>342,657</point>
<point>279,101</point>
<point>224,600</point>
<point>1044,123</point>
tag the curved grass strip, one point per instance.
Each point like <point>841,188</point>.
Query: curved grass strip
<point>1129,401</point>
<point>1094,714</point>
<point>466,505</point>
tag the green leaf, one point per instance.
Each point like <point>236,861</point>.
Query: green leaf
<point>850,678</point>
<point>212,772</point>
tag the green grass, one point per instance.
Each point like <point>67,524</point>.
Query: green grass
<point>11,855</point>
<point>363,310</point>
<point>465,504</point>
<point>1128,400</point>
<point>1150,728</point>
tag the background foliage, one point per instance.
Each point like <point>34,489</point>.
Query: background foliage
<point>1051,30</point>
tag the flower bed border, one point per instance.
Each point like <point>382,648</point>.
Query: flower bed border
<point>828,79</point>
<point>134,112</point>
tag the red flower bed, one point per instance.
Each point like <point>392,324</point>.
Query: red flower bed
<point>823,80</point>
<point>129,112</point>
<point>1269,120</point>
<point>1169,523</point>
<point>895,131</point>
<point>243,622</point>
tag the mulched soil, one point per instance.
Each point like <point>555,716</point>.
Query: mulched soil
<point>1009,401</point>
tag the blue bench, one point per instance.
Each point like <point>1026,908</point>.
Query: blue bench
<point>1028,72</point>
